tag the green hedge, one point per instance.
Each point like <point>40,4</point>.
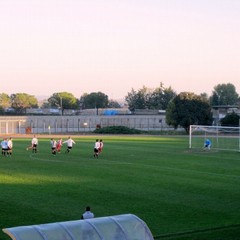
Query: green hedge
<point>118,130</point>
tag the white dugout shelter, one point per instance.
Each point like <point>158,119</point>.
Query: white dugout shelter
<point>119,227</point>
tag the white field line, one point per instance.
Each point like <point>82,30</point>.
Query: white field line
<point>107,162</point>
<point>54,160</point>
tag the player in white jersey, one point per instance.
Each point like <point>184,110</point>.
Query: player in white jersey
<point>34,145</point>
<point>53,143</point>
<point>10,147</point>
<point>4,145</point>
<point>70,143</point>
<point>96,148</point>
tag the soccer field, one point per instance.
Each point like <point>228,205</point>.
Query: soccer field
<point>180,194</point>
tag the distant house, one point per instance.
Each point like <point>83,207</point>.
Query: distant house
<point>43,111</point>
<point>9,110</point>
<point>220,111</point>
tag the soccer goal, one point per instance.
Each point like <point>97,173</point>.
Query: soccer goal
<point>222,138</point>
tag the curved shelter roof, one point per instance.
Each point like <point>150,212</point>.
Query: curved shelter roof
<point>119,227</point>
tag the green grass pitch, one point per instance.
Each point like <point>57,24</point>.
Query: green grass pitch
<point>180,194</point>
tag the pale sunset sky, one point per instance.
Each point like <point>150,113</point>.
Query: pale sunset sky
<point>112,46</point>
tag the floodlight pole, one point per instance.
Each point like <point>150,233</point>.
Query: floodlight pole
<point>61,106</point>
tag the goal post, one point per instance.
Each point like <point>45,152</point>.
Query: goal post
<point>222,138</point>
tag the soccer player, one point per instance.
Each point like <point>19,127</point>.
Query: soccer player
<point>59,145</point>
<point>4,145</point>
<point>53,146</point>
<point>100,146</point>
<point>70,143</point>
<point>96,148</point>
<point>10,146</point>
<point>207,144</point>
<point>34,144</point>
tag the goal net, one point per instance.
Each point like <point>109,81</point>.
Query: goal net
<point>222,138</point>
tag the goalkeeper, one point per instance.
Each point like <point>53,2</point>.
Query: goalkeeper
<point>207,144</point>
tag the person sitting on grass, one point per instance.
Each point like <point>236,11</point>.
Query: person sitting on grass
<point>87,214</point>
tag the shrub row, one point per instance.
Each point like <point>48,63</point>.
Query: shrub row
<point>118,130</point>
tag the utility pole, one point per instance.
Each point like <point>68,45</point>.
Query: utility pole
<point>61,106</point>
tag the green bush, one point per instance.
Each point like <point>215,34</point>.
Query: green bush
<point>230,120</point>
<point>117,130</point>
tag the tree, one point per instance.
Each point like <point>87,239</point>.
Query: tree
<point>205,96</point>
<point>5,101</point>
<point>113,104</point>
<point>46,104</point>
<point>188,109</point>
<point>94,100</point>
<point>231,119</point>
<point>63,100</point>
<point>21,101</point>
<point>138,99</point>
<point>146,98</point>
<point>161,97</point>
<point>224,94</point>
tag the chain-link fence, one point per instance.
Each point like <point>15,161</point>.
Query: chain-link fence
<point>64,124</point>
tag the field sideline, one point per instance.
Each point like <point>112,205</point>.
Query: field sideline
<point>180,194</point>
